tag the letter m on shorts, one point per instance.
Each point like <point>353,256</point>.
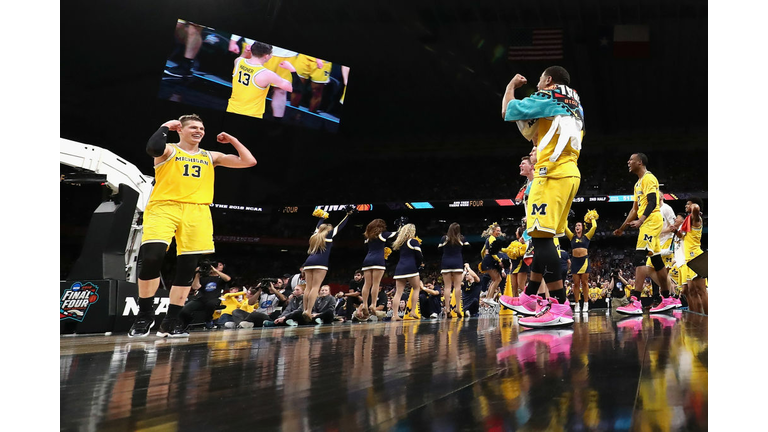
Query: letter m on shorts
<point>536,209</point>
<point>647,238</point>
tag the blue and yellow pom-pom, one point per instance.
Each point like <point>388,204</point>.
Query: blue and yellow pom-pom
<point>591,216</point>
<point>387,252</point>
<point>320,213</point>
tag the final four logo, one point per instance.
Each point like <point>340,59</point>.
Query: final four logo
<point>76,300</point>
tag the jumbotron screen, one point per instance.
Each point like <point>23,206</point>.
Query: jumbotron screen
<point>244,75</point>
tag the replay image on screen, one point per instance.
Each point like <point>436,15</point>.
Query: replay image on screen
<point>242,75</point>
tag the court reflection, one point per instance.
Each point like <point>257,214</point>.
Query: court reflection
<point>604,373</point>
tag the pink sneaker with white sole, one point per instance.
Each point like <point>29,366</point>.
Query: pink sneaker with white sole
<point>524,305</point>
<point>633,308</point>
<point>553,315</point>
<point>667,303</point>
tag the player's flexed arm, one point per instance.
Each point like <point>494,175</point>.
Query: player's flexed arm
<point>156,146</point>
<point>509,94</point>
<point>243,158</point>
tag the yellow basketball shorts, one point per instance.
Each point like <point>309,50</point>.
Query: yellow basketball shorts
<point>548,205</point>
<point>306,67</point>
<point>674,273</point>
<point>650,230</point>
<point>668,260</point>
<point>190,224</point>
<point>273,64</point>
<point>687,274</point>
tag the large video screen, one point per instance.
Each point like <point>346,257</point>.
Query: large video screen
<point>246,76</point>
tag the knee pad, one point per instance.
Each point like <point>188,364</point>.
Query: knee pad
<point>185,269</point>
<point>641,258</point>
<point>545,257</point>
<point>657,262</point>
<point>550,277</point>
<point>150,261</point>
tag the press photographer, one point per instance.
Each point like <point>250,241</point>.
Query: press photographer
<point>265,299</point>
<point>209,283</point>
<point>616,289</point>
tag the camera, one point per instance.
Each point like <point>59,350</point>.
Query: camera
<point>263,283</point>
<point>615,273</point>
<point>205,266</point>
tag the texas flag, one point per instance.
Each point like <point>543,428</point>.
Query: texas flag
<point>631,41</point>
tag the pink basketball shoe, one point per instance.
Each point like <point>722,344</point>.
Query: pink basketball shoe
<point>667,303</point>
<point>524,305</point>
<point>550,316</point>
<point>633,308</point>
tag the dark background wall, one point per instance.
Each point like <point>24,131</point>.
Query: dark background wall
<point>423,100</point>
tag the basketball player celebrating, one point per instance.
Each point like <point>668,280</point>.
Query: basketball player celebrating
<point>647,205</point>
<point>552,118</point>
<point>179,207</point>
<point>694,286</point>
<point>251,81</point>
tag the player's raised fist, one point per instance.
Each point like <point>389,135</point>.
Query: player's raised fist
<point>224,137</point>
<point>173,125</point>
<point>518,81</point>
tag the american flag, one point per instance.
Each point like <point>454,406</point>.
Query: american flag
<point>536,44</point>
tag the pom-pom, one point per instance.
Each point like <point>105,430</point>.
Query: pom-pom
<point>591,216</point>
<point>387,251</point>
<point>418,239</point>
<point>515,250</point>
<point>320,213</point>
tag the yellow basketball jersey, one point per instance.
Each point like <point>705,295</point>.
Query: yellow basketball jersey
<point>247,97</point>
<point>564,166</point>
<point>184,177</point>
<point>646,185</point>
<point>692,243</point>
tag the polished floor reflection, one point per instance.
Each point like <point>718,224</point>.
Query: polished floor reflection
<point>606,372</point>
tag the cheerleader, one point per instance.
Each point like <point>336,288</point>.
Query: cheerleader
<point>452,265</point>
<point>491,263</point>
<point>407,269</point>
<point>376,237</point>
<point>580,266</point>
<point>316,265</point>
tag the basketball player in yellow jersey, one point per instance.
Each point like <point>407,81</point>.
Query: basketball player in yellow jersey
<point>316,70</point>
<point>552,118</point>
<point>647,204</point>
<point>179,207</point>
<point>694,286</point>
<point>251,82</point>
